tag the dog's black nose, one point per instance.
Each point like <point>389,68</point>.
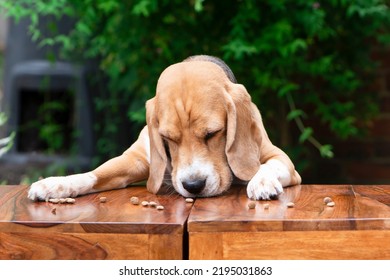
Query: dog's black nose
<point>194,186</point>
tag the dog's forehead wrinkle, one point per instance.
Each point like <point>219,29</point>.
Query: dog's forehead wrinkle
<point>183,110</point>
<point>203,125</point>
<point>170,132</point>
<point>175,121</point>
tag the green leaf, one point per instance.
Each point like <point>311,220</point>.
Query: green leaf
<point>326,151</point>
<point>286,89</point>
<point>83,28</point>
<point>198,6</point>
<point>145,7</point>
<point>239,49</point>
<point>108,6</point>
<point>3,118</point>
<point>295,114</point>
<point>298,44</point>
<point>6,143</point>
<point>306,134</point>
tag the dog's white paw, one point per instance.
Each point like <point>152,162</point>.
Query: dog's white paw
<point>62,187</point>
<point>264,185</point>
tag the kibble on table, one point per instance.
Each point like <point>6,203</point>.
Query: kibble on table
<point>330,204</point>
<point>152,204</point>
<point>327,200</point>
<point>62,200</point>
<point>134,200</point>
<point>290,204</point>
<point>252,205</point>
<point>70,200</point>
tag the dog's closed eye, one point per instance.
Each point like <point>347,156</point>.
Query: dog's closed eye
<point>211,134</point>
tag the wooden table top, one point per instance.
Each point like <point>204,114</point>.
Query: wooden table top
<point>356,208</point>
<point>88,214</point>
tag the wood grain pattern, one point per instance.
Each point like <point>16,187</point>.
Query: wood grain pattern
<point>357,227</point>
<point>291,245</point>
<point>90,229</point>
<point>117,215</point>
<point>89,246</point>
<point>357,208</point>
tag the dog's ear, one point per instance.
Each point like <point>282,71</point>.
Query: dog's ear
<point>244,135</point>
<point>158,157</point>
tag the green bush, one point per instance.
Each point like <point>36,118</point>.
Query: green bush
<point>299,59</point>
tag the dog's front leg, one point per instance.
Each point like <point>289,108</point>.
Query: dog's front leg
<point>130,167</point>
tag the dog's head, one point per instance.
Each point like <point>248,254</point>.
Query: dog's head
<point>203,127</point>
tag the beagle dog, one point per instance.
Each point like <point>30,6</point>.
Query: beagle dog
<point>202,133</point>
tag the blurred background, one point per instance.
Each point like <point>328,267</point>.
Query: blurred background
<point>75,75</point>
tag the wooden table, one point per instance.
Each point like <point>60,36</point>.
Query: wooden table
<point>90,229</point>
<point>357,227</point>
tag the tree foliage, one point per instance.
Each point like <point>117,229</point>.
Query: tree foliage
<point>299,59</point>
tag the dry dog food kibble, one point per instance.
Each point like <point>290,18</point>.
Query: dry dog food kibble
<point>252,205</point>
<point>290,204</point>
<point>134,200</point>
<point>330,204</point>
<point>62,200</point>
<point>103,199</point>
<point>70,200</point>
<point>189,200</point>
<point>160,207</point>
<point>54,200</point>
<point>152,203</point>
<point>327,200</point>
<point>145,203</point>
